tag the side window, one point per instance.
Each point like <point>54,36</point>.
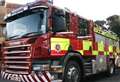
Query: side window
<point>83,27</point>
<point>111,41</point>
<point>58,21</point>
<point>67,17</point>
<point>100,38</point>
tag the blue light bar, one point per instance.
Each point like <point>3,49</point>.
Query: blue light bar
<point>50,1</point>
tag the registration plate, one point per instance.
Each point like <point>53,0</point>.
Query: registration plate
<point>15,78</point>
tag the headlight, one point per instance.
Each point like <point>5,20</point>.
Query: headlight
<point>41,67</point>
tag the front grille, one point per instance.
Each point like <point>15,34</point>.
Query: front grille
<point>17,58</point>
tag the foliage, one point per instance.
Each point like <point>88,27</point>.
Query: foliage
<point>114,23</point>
<point>100,22</point>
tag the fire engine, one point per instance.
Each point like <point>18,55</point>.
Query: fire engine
<point>45,44</point>
<point>5,7</point>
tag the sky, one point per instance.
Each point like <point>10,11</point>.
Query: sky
<point>90,9</point>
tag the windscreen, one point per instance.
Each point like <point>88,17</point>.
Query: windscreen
<point>28,24</point>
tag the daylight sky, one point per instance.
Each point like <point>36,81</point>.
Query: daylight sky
<point>90,9</point>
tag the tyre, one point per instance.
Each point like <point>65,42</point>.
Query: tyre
<point>72,72</point>
<point>111,68</point>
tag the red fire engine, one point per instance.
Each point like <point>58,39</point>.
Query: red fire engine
<point>47,44</point>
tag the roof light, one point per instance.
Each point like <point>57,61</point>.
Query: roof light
<point>34,7</point>
<point>9,14</point>
<point>25,8</point>
<point>50,1</point>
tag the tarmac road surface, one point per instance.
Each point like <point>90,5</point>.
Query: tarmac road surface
<point>103,78</point>
<point>95,78</point>
<point>5,81</point>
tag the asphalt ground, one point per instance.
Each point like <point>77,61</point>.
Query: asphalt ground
<point>95,78</point>
<point>1,80</point>
<point>103,78</point>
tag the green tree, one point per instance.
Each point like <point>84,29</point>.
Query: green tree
<point>101,23</point>
<point>114,23</point>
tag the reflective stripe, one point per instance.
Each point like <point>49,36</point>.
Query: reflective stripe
<point>110,48</point>
<point>100,46</point>
<point>36,77</point>
<point>95,52</point>
<point>9,76</point>
<point>108,34</point>
<point>96,29</point>
<point>105,53</point>
<point>5,75</point>
<point>48,74</point>
<point>30,77</point>
<point>43,77</point>
<point>87,44</point>
<point>26,78</point>
<point>22,78</point>
<point>63,42</point>
<point>81,51</point>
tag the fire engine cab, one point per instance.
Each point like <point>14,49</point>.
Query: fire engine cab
<point>46,44</point>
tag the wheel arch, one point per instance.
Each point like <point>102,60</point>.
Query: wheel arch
<point>73,56</point>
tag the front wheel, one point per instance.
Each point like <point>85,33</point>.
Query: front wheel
<point>72,72</point>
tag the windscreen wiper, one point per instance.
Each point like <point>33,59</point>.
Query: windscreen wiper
<point>12,37</point>
<point>31,34</point>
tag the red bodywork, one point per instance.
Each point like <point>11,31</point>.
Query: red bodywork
<point>23,51</point>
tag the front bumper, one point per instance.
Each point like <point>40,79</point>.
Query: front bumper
<point>33,77</point>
